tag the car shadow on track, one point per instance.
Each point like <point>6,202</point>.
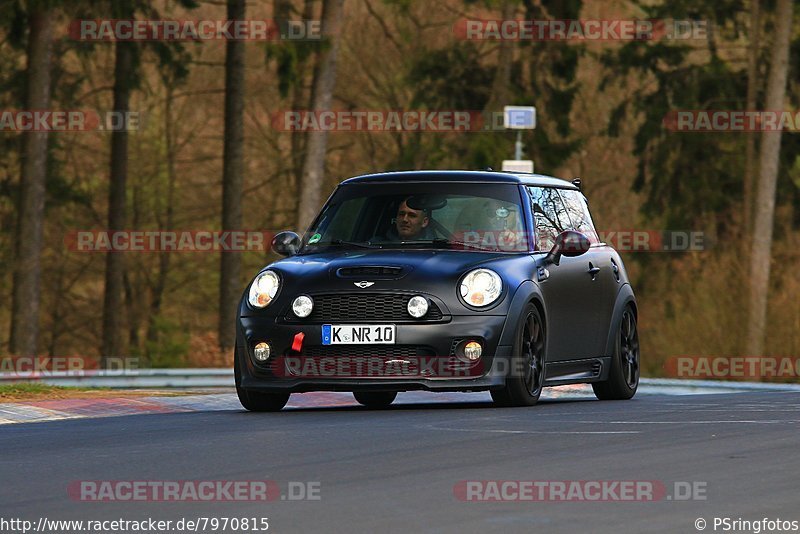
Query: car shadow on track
<point>449,405</point>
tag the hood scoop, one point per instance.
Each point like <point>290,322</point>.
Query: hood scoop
<point>373,272</point>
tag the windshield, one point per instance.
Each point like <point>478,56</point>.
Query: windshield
<point>464,216</point>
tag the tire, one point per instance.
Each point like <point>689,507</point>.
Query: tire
<point>525,379</point>
<point>375,399</point>
<point>256,401</point>
<point>623,377</point>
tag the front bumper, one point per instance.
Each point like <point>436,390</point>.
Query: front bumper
<point>428,352</point>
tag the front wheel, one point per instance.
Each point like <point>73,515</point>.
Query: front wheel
<point>526,377</point>
<point>623,377</point>
<point>375,399</point>
<point>255,401</point>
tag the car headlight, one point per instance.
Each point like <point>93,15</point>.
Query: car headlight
<point>263,289</point>
<point>481,287</point>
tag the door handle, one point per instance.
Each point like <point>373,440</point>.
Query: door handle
<point>593,271</point>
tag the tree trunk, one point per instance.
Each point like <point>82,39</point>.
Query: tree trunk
<point>301,99</point>
<point>768,175</point>
<point>131,278</point>
<point>232,179</point>
<point>168,225</point>
<point>750,168</point>
<point>501,85</point>
<point>114,284</point>
<point>27,267</point>
<point>310,192</point>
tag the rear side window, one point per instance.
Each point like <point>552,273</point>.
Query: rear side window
<point>550,215</point>
<point>578,212</point>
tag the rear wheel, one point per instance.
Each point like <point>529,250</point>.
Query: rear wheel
<point>255,401</point>
<point>526,377</point>
<point>623,377</point>
<point>375,399</point>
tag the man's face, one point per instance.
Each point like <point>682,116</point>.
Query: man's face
<point>410,222</point>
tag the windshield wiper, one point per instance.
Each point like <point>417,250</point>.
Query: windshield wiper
<point>340,242</point>
<point>440,242</point>
<point>415,242</point>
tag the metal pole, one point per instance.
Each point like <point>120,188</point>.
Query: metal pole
<point>518,146</point>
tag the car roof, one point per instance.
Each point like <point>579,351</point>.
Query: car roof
<point>462,176</point>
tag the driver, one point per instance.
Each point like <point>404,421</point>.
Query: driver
<point>410,224</point>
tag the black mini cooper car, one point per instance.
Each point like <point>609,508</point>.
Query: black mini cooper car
<point>440,281</point>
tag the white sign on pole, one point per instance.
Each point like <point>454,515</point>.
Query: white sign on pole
<point>518,165</point>
<point>519,117</point>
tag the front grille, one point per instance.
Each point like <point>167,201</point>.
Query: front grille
<point>365,307</point>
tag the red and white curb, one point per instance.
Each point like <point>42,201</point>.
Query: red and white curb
<point>60,409</point>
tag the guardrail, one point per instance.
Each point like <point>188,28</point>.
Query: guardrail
<point>129,378</point>
<point>223,377</point>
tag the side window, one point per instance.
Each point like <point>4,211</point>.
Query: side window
<point>578,212</point>
<point>549,214</point>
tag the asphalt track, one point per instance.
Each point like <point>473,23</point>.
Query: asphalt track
<point>397,470</point>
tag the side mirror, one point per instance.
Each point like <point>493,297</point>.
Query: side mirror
<point>568,243</point>
<point>286,243</point>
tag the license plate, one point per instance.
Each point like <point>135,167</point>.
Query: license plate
<point>346,334</point>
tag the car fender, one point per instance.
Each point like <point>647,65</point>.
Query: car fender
<point>526,292</point>
<point>625,296</point>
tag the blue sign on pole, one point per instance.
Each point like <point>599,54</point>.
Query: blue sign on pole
<point>519,117</point>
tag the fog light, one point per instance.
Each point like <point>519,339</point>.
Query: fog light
<point>302,306</point>
<point>417,306</point>
<point>261,352</point>
<point>472,350</point>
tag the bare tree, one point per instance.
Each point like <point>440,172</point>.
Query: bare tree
<point>768,176</point>
<point>158,288</point>
<point>115,266</point>
<point>750,168</point>
<point>27,268</point>
<point>501,85</point>
<point>301,99</point>
<point>324,82</point>
<point>232,179</point>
